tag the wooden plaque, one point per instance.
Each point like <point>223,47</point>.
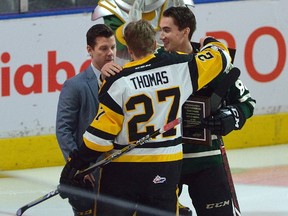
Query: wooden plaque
<point>193,110</point>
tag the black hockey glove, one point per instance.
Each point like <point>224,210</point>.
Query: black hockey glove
<point>68,178</point>
<point>224,121</point>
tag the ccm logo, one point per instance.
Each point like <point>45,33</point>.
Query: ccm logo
<point>218,205</point>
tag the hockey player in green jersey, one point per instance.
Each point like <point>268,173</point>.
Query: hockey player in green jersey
<point>203,170</point>
<point>134,103</point>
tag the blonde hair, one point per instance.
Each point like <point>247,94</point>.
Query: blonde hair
<point>140,37</point>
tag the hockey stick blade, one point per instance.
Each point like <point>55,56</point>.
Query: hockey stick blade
<point>21,210</point>
<point>103,162</point>
<point>128,148</point>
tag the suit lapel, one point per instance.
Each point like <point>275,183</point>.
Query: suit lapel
<point>92,81</point>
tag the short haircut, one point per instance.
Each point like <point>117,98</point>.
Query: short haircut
<point>98,30</point>
<point>140,37</point>
<point>183,17</point>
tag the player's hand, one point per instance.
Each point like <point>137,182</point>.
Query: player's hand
<point>68,176</point>
<point>224,121</point>
<point>90,178</point>
<point>110,69</point>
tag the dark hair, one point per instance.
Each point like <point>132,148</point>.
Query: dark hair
<point>140,37</point>
<point>98,30</point>
<point>183,17</point>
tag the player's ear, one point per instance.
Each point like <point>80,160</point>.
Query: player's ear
<point>155,45</point>
<point>130,53</point>
<point>129,50</point>
<point>89,50</point>
<point>187,31</point>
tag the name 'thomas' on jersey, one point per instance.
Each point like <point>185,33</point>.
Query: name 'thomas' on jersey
<point>148,94</point>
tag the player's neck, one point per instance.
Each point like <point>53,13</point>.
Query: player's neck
<point>186,48</point>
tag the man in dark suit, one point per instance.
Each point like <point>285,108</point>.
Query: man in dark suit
<point>78,102</point>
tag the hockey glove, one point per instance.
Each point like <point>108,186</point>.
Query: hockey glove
<point>224,121</point>
<point>68,178</point>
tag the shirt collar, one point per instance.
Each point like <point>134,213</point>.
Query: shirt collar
<point>96,71</point>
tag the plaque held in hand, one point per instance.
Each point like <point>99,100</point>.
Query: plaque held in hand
<point>193,110</point>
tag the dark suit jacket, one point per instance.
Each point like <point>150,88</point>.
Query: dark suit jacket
<point>77,107</point>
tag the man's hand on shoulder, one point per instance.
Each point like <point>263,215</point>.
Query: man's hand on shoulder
<point>110,69</point>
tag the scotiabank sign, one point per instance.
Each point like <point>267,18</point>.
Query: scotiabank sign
<point>252,39</point>
<point>258,31</point>
<point>42,52</point>
<point>281,48</point>
<point>15,79</point>
<point>54,66</point>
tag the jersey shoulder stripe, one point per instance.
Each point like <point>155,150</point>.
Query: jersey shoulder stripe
<point>100,133</point>
<point>108,101</point>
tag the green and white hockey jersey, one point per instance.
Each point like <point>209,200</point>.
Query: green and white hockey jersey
<point>199,157</point>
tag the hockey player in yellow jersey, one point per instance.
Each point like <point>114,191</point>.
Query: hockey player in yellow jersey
<point>147,94</point>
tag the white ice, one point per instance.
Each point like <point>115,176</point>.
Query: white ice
<point>265,198</point>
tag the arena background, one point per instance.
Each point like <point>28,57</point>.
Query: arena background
<point>41,46</point>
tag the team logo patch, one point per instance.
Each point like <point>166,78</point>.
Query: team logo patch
<point>159,180</point>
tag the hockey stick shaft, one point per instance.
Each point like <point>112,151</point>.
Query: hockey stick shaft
<point>49,195</point>
<point>103,162</point>
<point>130,147</point>
<point>216,99</point>
<point>229,178</point>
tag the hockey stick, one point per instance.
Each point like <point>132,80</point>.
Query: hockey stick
<point>128,148</point>
<point>216,99</point>
<point>229,177</point>
<point>103,162</point>
<point>21,210</point>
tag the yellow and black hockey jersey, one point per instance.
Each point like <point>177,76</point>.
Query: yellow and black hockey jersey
<point>148,94</point>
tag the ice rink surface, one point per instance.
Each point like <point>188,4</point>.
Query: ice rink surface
<point>260,175</point>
